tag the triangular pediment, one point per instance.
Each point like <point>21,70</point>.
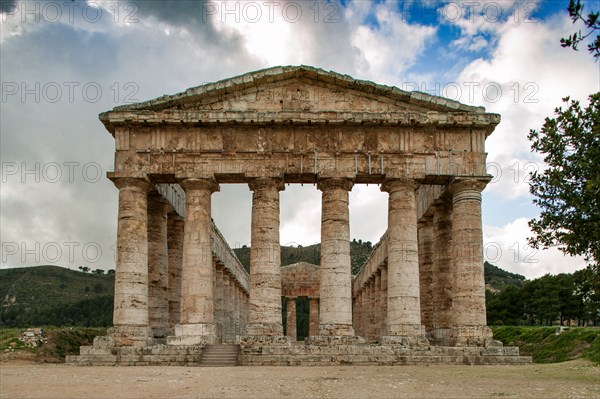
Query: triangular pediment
<point>298,89</point>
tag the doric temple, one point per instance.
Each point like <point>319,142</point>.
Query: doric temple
<point>180,289</point>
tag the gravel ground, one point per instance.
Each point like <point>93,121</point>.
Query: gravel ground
<point>575,379</point>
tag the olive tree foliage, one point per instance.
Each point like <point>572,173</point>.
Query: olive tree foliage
<point>592,24</point>
<point>568,190</point>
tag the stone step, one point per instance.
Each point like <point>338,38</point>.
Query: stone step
<point>219,356</point>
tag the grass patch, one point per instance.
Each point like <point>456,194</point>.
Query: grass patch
<point>7,334</point>
<point>61,341</point>
<point>544,346</point>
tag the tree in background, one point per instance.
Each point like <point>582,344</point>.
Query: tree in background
<point>568,191</point>
<point>592,23</point>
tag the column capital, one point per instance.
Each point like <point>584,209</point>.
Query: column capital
<point>266,182</point>
<point>132,183</point>
<point>391,185</point>
<point>335,182</point>
<point>458,185</point>
<point>199,184</point>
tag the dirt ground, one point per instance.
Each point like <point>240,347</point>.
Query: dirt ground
<point>575,379</point>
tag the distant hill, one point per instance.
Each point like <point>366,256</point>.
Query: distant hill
<point>497,279</point>
<point>52,295</point>
<point>359,253</point>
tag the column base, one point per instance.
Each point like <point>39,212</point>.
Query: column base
<point>193,334</point>
<point>264,329</point>
<point>471,336</point>
<point>337,330</point>
<point>264,340</point>
<point>333,340</point>
<point>130,336</point>
<point>407,335</point>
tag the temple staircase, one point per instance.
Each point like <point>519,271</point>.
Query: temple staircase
<point>219,356</point>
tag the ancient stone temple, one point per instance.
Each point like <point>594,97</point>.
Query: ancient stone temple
<point>420,298</point>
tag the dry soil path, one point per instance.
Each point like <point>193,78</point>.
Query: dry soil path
<point>577,379</point>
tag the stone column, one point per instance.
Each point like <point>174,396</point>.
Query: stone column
<point>246,303</point>
<point>158,273</point>
<point>403,323</point>
<point>371,307</point>
<point>468,296</point>
<point>175,249</point>
<point>377,327</point>
<point>442,266</point>
<point>356,314</point>
<point>232,297</point>
<point>219,301</point>
<point>313,317</point>
<point>425,233</point>
<point>238,310</point>
<point>335,314</point>
<point>130,317</point>
<point>197,320</point>
<point>264,312</point>
<point>384,284</point>
<point>227,308</point>
<point>290,325</point>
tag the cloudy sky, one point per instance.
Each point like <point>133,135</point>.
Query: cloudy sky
<point>62,63</point>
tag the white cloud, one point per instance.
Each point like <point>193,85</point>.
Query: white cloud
<point>507,247</point>
<point>170,48</point>
<point>391,47</point>
<point>524,80</point>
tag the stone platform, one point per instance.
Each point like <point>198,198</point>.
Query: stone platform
<point>156,355</point>
<point>300,354</point>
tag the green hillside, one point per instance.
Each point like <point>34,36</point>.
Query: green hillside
<point>52,295</point>
<point>359,253</point>
<point>497,279</point>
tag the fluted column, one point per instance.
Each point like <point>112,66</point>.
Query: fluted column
<point>377,326</point>
<point>290,325</point>
<point>175,253</point>
<point>313,317</point>
<point>403,323</point>
<point>356,314</point>
<point>197,324</point>
<point>335,314</point>
<point>158,273</point>
<point>372,308</point>
<point>236,310</point>
<point>227,308</point>
<point>442,268</point>
<point>468,296</point>
<point>264,312</point>
<point>130,317</point>
<point>219,301</point>
<point>425,233</point>
<point>384,297</point>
